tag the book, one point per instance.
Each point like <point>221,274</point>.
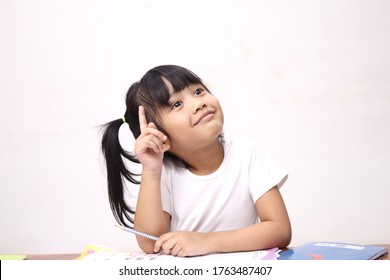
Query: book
<point>333,251</point>
<point>97,252</point>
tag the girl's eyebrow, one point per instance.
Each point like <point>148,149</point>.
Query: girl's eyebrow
<point>180,92</point>
<point>174,93</point>
<point>172,96</point>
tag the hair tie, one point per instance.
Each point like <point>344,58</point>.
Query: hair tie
<point>123,119</point>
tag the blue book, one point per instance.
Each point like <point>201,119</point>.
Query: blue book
<point>333,251</point>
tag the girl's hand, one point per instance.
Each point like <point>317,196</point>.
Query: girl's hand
<point>150,145</point>
<point>182,243</point>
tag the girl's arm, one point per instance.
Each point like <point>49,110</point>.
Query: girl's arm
<point>149,216</point>
<point>273,231</point>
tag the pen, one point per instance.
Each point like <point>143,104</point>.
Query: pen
<point>137,232</point>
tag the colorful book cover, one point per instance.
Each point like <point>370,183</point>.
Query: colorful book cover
<point>332,251</point>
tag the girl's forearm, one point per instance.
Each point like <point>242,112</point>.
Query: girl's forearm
<point>149,216</point>
<point>260,236</point>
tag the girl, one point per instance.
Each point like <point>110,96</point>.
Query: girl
<point>199,193</point>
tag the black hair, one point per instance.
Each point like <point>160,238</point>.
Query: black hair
<point>153,94</point>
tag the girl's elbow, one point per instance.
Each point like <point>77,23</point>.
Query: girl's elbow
<point>286,237</point>
<point>146,246</point>
<point>285,241</point>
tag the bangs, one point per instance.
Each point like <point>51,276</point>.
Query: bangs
<point>179,77</point>
<point>153,85</point>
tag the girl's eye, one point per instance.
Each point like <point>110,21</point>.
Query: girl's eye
<point>176,104</point>
<point>199,91</point>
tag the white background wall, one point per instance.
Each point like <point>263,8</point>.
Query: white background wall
<point>309,79</point>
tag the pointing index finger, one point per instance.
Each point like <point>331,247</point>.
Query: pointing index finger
<point>143,124</point>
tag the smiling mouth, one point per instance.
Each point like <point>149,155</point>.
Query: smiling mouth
<point>206,116</point>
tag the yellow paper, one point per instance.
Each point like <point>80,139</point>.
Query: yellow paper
<point>12,257</point>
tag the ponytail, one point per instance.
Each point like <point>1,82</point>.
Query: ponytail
<point>117,171</point>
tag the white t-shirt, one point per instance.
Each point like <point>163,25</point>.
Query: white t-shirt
<point>225,199</point>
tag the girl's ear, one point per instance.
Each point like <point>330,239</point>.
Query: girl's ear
<point>167,145</point>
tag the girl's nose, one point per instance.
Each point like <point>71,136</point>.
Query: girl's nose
<point>198,105</point>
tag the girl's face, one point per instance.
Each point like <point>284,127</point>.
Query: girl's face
<point>193,120</point>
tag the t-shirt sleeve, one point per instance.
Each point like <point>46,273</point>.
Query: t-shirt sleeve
<point>264,173</point>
